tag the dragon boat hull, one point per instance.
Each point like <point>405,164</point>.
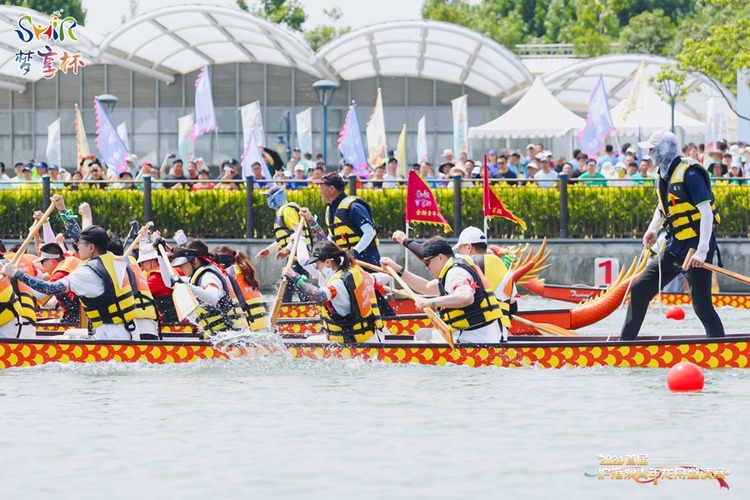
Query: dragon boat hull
<point>648,352</point>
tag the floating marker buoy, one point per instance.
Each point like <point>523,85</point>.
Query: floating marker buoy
<point>685,377</point>
<point>675,312</point>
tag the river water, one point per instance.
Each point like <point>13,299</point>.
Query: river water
<point>285,429</point>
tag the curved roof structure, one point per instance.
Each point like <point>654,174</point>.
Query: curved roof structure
<point>431,50</point>
<point>184,38</point>
<point>572,85</point>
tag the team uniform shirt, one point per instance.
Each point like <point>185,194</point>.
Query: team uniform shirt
<point>359,216</point>
<point>210,289</point>
<point>459,279</point>
<point>697,189</point>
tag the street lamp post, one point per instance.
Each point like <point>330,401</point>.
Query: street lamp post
<point>324,89</point>
<point>109,102</point>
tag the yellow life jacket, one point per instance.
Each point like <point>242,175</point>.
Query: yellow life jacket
<point>145,307</point>
<point>24,294</point>
<point>360,324</point>
<point>682,218</point>
<point>10,306</point>
<point>117,304</point>
<point>227,314</point>
<point>283,232</point>
<point>340,227</point>
<point>495,272</point>
<point>484,310</point>
<point>250,299</point>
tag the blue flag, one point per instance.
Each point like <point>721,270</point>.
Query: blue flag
<point>113,150</point>
<point>350,144</point>
<point>598,122</point>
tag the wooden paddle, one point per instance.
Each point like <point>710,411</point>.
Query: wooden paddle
<point>739,277</point>
<point>284,281</point>
<point>183,297</point>
<point>547,328</point>
<point>32,231</point>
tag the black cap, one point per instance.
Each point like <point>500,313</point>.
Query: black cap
<point>95,235</point>
<point>332,179</point>
<point>437,246</point>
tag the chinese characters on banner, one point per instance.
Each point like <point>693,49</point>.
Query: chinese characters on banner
<point>421,205</point>
<point>52,59</point>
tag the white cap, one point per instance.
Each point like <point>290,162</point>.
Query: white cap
<point>655,137</point>
<point>146,251</point>
<point>532,165</point>
<point>447,152</point>
<point>471,235</point>
<point>299,166</point>
<point>619,166</point>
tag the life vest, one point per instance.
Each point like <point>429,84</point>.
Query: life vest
<point>682,218</point>
<point>497,275</point>
<point>145,307</point>
<point>227,314</point>
<point>117,304</point>
<point>360,324</point>
<point>25,294</point>
<point>10,306</point>
<point>69,302</point>
<point>281,231</point>
<point>484,310</point>
<point>340,227</point>
<point>249,298</point>
<point>164,303</point>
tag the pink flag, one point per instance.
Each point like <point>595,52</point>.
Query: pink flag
<point>205,119</point>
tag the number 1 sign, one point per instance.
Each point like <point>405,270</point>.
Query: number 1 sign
<point>605,271</point>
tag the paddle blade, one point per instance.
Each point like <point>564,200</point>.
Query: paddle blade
<point>277,304</point>
<point>184,300</point>
<point>442,327</point>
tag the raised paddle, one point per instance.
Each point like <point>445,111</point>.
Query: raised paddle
<point>32,231</point>
<point>547,328</point>
<point>739,277</point>
<point>183,297</point>
<point>284,281</point>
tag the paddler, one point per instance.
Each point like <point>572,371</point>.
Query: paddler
<point>241,274</point>
<point>459,291</point>
<point>346,295</point>
<point>686,208</point>
<point>17,316</point>
<point>219,309</point>
<point>57,265</point>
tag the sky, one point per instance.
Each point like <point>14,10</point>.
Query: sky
<point>105,16</point>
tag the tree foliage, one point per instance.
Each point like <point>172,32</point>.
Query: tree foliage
<point>287,12</point>
<point>321,35</point>
<point>69,7</point>
<point>648,33</point>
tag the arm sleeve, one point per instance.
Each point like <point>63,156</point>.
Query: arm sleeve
<point>706,229</point>
<point>44,287</point>
<point>656,221</point>
<point>210,295</point>
<point>368,234</point>
<point>414,247</point>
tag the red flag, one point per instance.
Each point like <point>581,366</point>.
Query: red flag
<point>494,206</point>
<point>421,205</point>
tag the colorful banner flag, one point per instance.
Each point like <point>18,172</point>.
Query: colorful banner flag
<point>598,121</point>
<point>82,143</point>
<point>205,118</point>
<point>421,205</point>
<point>493,205</point>
<point>350,144</point>
<point>716,129</point>
<point>113,150</point>
<point>636,93</point>
<point>375,131</point>
<point>304,131</point>
<point>122,131</point>
<point>252,123</point>
<point>251,155</point>
<point>422,141</point>
<point>54,144</point>
<point>401,152</point>
<point>461,125</point>
<point>185,144</point>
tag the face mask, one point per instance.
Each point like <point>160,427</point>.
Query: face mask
<point>277,199</point>
<point>664,152</point>
<point>326,273</point>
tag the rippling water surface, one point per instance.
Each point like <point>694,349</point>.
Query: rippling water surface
<point>281,428</point>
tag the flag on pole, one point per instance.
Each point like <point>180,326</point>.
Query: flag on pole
<point>421,205</point>
<point>375,131</point>
<point>350,143</point>
<point>422,141</point>
<point>401,152</point>
<point>185,144</point>
<point>122,131</point>
<point>251,155</point>
<point>82,143</point>
<point>205,118</point>
<point>461,124</point>
<point>598,121</point>
<point>716,128</point>
<point>54,144</point>
<point>493,205</point>
<point>252,123</point>
<point>113,150</point>
<point>304,131</point>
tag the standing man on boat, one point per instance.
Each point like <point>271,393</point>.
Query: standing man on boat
<point>687,210</point>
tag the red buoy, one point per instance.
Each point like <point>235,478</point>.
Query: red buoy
<point>685,376</point>
<point>675,312</point>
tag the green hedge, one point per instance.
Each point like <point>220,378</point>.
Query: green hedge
<point>595,212</point>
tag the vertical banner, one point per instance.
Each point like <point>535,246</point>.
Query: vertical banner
<point>54,145</point>
<point>113,150</point>
<point>122,131</point>
<point>401,152</point>
<point>252,123</point>
<point>461,124</point>
<point>421,205</point>
<point>304,131</point>
<point>205,117</point>
<point>422,141</point>
<point>252,154</point>
<point>716,128</point>
<point>82,143</point>
<point>375,131</point>
<point>350,143</point>
<point>185,144</point>
<point>635,93</point>
<point>598,121</point>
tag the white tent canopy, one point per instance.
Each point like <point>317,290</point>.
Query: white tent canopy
<point>537,114</point>
<point>653,114</point>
